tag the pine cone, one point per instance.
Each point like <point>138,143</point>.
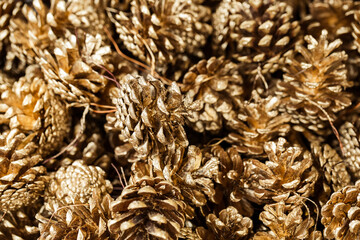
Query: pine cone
<point>339,214</point>
<point>164,28</point>
<point>30,106</point>
<point>256,32</point>
<point>350,139</point>
<point>217,84</point>
<point>20,224</point>
<point>229,225</point>
<point>286,223</point>
<point>149,116</point>
<point>74,68</point>
<point>314,84</point>
<point>76,221</point>
<point>287,175</point>
<point>76,182</point>
<point>148,208</point>
<point>257,122</point>
<point>21,182</point>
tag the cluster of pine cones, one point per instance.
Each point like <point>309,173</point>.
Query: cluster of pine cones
<point>179,119</point>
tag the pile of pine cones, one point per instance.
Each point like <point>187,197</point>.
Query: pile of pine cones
<point>179,119</point>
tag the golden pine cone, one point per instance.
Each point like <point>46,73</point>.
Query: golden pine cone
<point>148,208</point>
<point>286,223</point>
<point>166,28</point>
<point>148,115</point>
<point>21,182</point>
<point>30,106</point>
<point>315,83</point>
<point>257,122</point>
<point>229,225</point>
<point>20,224</point>
<point>74,68</point>
<point>288,175</point>
<point>349,137</point>
<point>77,220</point>
<point>217,84</point>
<point>255,32</point>
<point>77,182</point>
<point>339,214</point>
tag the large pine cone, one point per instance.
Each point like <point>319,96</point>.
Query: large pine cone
<point>315,83</point>
<point>255,32</point>
<point>21,182</point>
<point>148,115</point>
<point>148,208</point>
<point>166,28</point>
<point>340,214</point>
<point>31,106</point>
<point>217,84</point>
<point>76,182</point>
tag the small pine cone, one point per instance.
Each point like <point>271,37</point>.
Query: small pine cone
<point>30,106</point>
<point>287,175</point>
<point>20,224</point>
<point>350,139</point>
<point>257,122</point>
<point>217,84</point>
<point>339,214</point>
<point>21,182</point>
<point>76,221</point>
<point>255,32</point>
<point>229,225</point>
<point>334,169</point>
<point>74,68</point>
<point>149,116</point>
<point>165,28</point>
<point>76,182</point>
<point>286,223</point>
<point>148,208</point>
<point>314,84</point>
<point>195,177</point>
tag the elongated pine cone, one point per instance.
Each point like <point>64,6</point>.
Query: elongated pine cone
<point>217,84</point>
<point>76,182</point>
<point>148,208</point>
<point>74,68</point>
<point>287,175</point>
<point>148,115</point>
<point>164,29</point>
<point>21,182</point>
<point>32,107</point>
<point>77,220</point>
<point>229,225</point>
<point>286,223</point>
<point>340,214</point>
<point>313,89</point>
<point>257,122</point>
<point>255,32</point>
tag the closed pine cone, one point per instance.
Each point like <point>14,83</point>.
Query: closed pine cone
<point>315,83</point>
<point>76,182</point>
<point>166,28</point>
<point>148,115</point>
<point>80,221</point>
<point>340,214</point>
<point>257,122</point>
<point>31,106</point>
<point>229,225</point>
<point>217,84</point>
<point>287,175</point>
<point>74,68</point>
<point>148,208</point>
<point>255,32</point>
<point>21,182</point>
<point>286,223</point>
<point>20,224</point>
